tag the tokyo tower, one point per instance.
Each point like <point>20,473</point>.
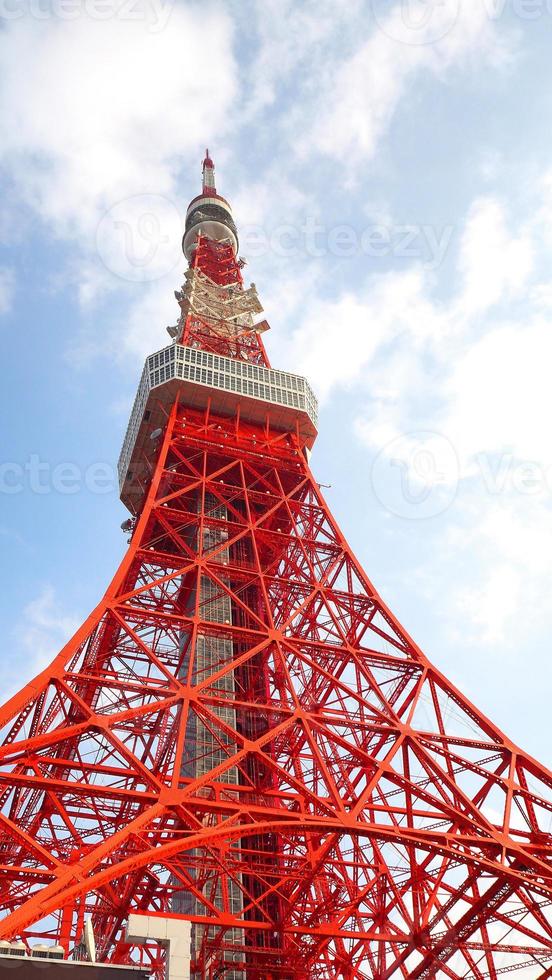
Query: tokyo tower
<point>241,738</point>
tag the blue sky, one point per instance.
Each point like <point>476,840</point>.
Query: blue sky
<point>390,167</point>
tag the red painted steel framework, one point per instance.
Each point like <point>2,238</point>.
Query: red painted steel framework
<point>320,803</point>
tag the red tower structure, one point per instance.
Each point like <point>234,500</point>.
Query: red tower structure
<point>241,734</point>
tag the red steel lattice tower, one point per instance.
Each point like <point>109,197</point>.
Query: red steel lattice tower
<point>241,734</point>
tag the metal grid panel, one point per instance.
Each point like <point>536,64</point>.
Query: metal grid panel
<point>202,751</point>
<point>195,366</point>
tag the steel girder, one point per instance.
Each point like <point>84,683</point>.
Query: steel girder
<point>375,825</point>
<point>242,731</point>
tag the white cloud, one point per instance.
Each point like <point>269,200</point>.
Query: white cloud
<point>44,627</point>
<point>361,97</point>
<point>97,119</point>
<point>498,589</point>
<point>488,372</point>
<point>338,339</point>
<point>131,109</point>
<point>148,317</point>
<point>490,607</point>
<point>92,112</point>
<point>293,37</point>
<point>498,396</point>
<point>475,368</point>
<point>494,263</point>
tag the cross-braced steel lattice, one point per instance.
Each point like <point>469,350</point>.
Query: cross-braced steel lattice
<point>242,734</point>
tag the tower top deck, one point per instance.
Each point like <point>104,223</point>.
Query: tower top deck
<point>217,362</point>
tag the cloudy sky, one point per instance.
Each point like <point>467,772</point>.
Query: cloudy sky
<point>390,166</point>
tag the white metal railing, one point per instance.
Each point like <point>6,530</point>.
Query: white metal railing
<point>199,367</point>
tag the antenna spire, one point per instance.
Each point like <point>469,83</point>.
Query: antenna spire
<point>208,175</point>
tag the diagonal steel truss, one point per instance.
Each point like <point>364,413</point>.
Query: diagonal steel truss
<point>242,733</point>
